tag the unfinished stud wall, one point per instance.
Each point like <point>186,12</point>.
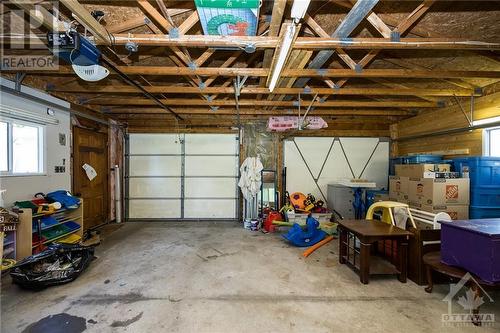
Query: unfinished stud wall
<point>463,143</point>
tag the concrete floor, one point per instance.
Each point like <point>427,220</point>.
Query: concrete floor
<point>157,277</point>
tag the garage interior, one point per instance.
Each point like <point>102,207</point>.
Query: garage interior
<point>247,165</point>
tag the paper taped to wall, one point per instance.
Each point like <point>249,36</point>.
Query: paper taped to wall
<point>90,171</point>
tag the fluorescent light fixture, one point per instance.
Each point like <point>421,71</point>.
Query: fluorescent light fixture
<point>486,121</point>
<point>286,45</point>
<point>299,9</point>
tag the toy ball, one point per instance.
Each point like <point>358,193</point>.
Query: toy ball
<point>298,199</point>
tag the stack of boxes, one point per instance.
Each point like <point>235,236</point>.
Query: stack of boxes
<point>432,188</point>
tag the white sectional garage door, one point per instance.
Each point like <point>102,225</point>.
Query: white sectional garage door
<point>186,176</point>
<point>314,162</point>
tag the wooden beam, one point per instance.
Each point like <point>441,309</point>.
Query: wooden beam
<point>40,15</point>
<point>274,29</point>
<point>132,23</point>
<point>308,43</point>
<point>88,21</point>
<point>402,29</point>
<point>304,43</point>
<point>252,111</point>
<point>252,102</point>
<point>162,89</point>
<point>188,23</point>
<point>155,15</point>
<point>322,33</point>
<point>262,72</point>
<point>204,57</point>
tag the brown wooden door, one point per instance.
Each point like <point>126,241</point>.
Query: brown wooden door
<point>91,147</point>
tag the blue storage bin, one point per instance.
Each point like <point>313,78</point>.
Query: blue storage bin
<point>370,196</point>
<point>417,159</point>
<point>483,171</point>
<point>485,196</point>
<point>477,212</point>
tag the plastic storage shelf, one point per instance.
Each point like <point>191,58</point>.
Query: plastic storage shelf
<point>477,212</point>
<point>483,171</point>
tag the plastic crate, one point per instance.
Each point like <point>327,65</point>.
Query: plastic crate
<point>483,171</point>
<point>486,197</point>
<point>300,218</point>
<point>477,212</point>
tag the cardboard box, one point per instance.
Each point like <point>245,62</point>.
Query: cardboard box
<point>438,192</point>
<point>398,188</point>
<point>418,170</point>
<point>456,212</point>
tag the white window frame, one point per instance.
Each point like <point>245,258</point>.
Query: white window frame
<point>41,149</point>
<point>487,140</point>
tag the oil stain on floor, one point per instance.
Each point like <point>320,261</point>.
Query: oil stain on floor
<point>58,323</point>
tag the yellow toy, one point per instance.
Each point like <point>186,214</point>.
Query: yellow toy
<point>389,209</point>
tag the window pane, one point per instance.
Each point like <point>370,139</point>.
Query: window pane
<point>24,149</point>
<point>495,142</point>
<point>3,147</point>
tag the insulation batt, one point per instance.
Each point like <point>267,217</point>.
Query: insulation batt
<point>284,123</point>
<point>250,179</point>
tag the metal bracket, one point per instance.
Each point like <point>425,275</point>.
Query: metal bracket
<point>192,65</point>
<point>469,119</point>
<point>358,68</point>
<point>321,72</point>
<point>307,90</point>
<point>202,85</point>
<point>346,41</point>
<point>173,33</point>
<point>19,80</point>
<point>238,84</point>
<point>214,108</point>
<point>395,36</point>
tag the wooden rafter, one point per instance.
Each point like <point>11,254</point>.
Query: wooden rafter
<point>263,72</point>
<point>163,89</point>
<point>252,102</point>
<point>90,23</point>
<point>274,29</point>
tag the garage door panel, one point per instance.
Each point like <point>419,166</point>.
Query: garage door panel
<point>209,144</point>
<point>154,144</point>
<point>210,187</point>
<point>201,208</point>
<point>210,166</point>
<point>160,173</point>
<point>155,165</point>
<point>156,208</point>
<point>155,187</point>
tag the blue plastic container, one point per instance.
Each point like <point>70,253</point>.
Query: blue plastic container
<point>485,196</point>
<point>370,196</point>
<point>478,212</point>
<point>483,171</point>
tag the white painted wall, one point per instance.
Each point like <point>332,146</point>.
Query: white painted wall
<point>23,187</point>
<point>335,167</point>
